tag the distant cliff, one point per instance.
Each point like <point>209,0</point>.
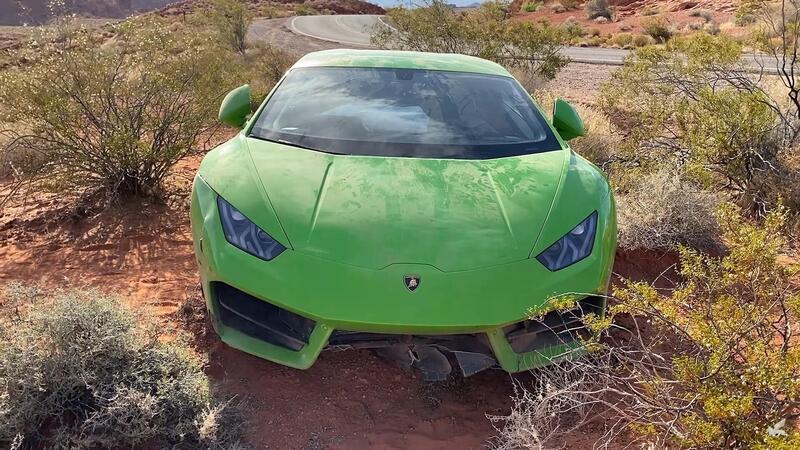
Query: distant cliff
<point>17,12</point>
<point>34,12</point>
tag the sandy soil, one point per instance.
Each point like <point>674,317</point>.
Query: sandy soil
<point>348,400</point>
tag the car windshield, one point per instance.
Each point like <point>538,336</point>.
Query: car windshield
<point>405,113</point>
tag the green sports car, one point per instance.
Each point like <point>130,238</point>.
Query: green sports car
<point>418,204</point>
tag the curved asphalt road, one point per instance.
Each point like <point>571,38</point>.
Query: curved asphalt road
<point>355,30</point>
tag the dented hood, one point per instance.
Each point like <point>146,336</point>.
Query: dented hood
<point>373,212</point>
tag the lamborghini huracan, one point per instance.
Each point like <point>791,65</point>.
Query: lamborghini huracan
<point>418,204</point>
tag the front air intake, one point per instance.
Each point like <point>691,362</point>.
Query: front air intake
<point>261,320</point>
<point>555,328</point>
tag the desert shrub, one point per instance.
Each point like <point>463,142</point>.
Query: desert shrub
<point>81,371</point>
<point>690,104</point>
<point>537,418</point>
<point>735,376</point>
<point>641,40</point>
<point>744,19</point>
<point>658,29</point>
<point>305,10</point>
<point>602,138</point>
<point>590,41</point>
<point>650,10</point>
<point>711,27</point>
<point>594,32</point>
<point>574,29</point>
<point>711,364</point>
<point>623,40</point>
<point>598,8</point>
<point>694,26</point>
<point>117,116</point>
<point>263,68</point>
<point>231,19</point>
<point>571,4</point>
<point>702,13</point>
<point>487,32</point>
<point>746,12</point>
<point>531,6</point>
<point>661,211</point>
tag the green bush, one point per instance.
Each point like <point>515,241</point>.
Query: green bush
<point>487,32</point>
<point>650,10</point>
<point>744,19</point>
<point>641,40</point>
<point>746,12</point>
<point>80,371</point>
<point>702,13</point>
<point>231,19</point>
<point>658,29</point>
<point>732,376</point>
<point>711,27</point>
<point>571,4</point>
<point>598,8</point>
<point>115,116</point>
<point>305,10</point>
<point>660,211</point>
<point>710,364</point>
<point>687,104</point>
<point>574,29</point>
<point>531,6</point>
<point>622,40</point>
<point>262,69</point>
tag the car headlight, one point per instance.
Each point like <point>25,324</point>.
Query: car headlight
<point>572,247</point>
<point>245,235</point>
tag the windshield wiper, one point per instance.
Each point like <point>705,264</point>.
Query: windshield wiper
<point>293,144</point>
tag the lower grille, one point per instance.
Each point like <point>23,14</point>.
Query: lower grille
<point>261,320</point>
<point>433,355</point>
<point>555,328</point>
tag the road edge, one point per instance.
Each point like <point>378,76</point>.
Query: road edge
<point>290,25</point>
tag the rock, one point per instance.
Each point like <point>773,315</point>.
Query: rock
<point>601,19</point>
<point>685,5</point>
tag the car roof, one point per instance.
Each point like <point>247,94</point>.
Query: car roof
<point>394,59</point>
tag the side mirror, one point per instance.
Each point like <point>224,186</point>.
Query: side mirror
<point>567,121</point>
<point>235,107</point>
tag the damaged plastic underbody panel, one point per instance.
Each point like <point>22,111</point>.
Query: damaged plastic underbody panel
<point>435,356</point>
<point>429,354</point>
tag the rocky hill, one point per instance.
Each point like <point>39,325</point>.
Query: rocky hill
<point>18,12</point>
<point>633,16</point>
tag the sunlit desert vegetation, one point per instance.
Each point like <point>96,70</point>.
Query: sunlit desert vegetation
<point>702,152</point>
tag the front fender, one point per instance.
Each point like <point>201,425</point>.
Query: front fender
<point>228,170</point>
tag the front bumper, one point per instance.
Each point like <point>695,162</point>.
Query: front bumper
<point>324,300</point>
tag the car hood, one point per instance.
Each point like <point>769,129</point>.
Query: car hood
<point>374,211</point>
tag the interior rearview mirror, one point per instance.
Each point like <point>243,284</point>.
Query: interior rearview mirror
<point>235,107</point>
<point>567,121</point>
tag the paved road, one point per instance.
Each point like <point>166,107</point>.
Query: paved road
<point>355,30</point>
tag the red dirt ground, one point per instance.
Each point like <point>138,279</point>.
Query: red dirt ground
<point>348,400</point>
